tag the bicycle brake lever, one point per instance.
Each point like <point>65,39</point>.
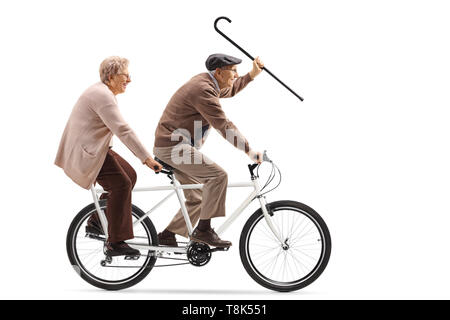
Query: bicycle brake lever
<point>266,157</point>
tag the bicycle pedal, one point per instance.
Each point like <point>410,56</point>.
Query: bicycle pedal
<point>219,249</point>
<point>91,235</point>
<point>94,236</point>
<point>132,257</point>
<point>94,231</point>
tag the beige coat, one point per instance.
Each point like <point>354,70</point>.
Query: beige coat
<point>85,141</point>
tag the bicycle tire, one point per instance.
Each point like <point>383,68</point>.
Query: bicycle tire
<point>246,255</point>
<point>82,216</point>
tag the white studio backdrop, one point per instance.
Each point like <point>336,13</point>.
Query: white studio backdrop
<point>367,149</point>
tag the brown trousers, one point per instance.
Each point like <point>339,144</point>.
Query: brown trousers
<point>205,203</point>
<point>118,178</point>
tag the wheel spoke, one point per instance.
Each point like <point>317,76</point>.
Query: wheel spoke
<point>275,262</point>
<point>300,263</point>
<point>269,232</point>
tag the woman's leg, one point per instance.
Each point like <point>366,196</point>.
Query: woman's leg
<point>117,177</point>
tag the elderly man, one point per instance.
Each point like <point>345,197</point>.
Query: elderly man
<point>192,110</point>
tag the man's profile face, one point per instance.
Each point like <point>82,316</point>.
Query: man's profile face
<point>226,75</point>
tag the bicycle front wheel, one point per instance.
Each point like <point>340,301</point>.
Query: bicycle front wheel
<point>87,256</point>
<point>295,262</point>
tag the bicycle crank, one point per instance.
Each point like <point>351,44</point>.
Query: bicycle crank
<point>198,254</point>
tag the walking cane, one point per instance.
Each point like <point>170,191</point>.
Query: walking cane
<point>248,55</point>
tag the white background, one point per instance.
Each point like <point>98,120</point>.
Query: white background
<point>367,149</point>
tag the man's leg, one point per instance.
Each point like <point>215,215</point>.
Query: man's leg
<point>201,169</point>
<point>193,206</point>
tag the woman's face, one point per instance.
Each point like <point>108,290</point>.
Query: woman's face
<point>118,82</point>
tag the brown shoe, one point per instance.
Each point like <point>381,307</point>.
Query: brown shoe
<point>120,249</point>
<point>165,240</point>
<point>209,237</point>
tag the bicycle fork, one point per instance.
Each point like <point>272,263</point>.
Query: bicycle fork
<point>267,216</point>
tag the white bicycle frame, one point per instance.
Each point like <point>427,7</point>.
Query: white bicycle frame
<point>177,189</point>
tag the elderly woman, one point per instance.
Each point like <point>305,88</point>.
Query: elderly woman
<point>86,156</point>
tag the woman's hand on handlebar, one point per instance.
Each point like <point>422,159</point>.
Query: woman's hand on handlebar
<point>255,156</point>
<point>153,164</point>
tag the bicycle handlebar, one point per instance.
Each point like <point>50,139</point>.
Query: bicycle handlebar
<point>163,171</point>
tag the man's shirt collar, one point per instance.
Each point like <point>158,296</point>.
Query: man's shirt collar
<point>211,74</point>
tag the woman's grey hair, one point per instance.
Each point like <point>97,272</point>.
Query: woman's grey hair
<point>111,66</point>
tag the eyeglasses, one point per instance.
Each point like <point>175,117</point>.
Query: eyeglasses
<point>124,74</point>
<point>232,70</point>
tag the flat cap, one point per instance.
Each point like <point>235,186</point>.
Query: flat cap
<point>219,60</point>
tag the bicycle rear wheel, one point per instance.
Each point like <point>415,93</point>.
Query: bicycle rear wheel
<point>296,262</point>
<point>86,254</point>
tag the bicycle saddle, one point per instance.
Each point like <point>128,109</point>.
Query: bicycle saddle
<point>165,165</point>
